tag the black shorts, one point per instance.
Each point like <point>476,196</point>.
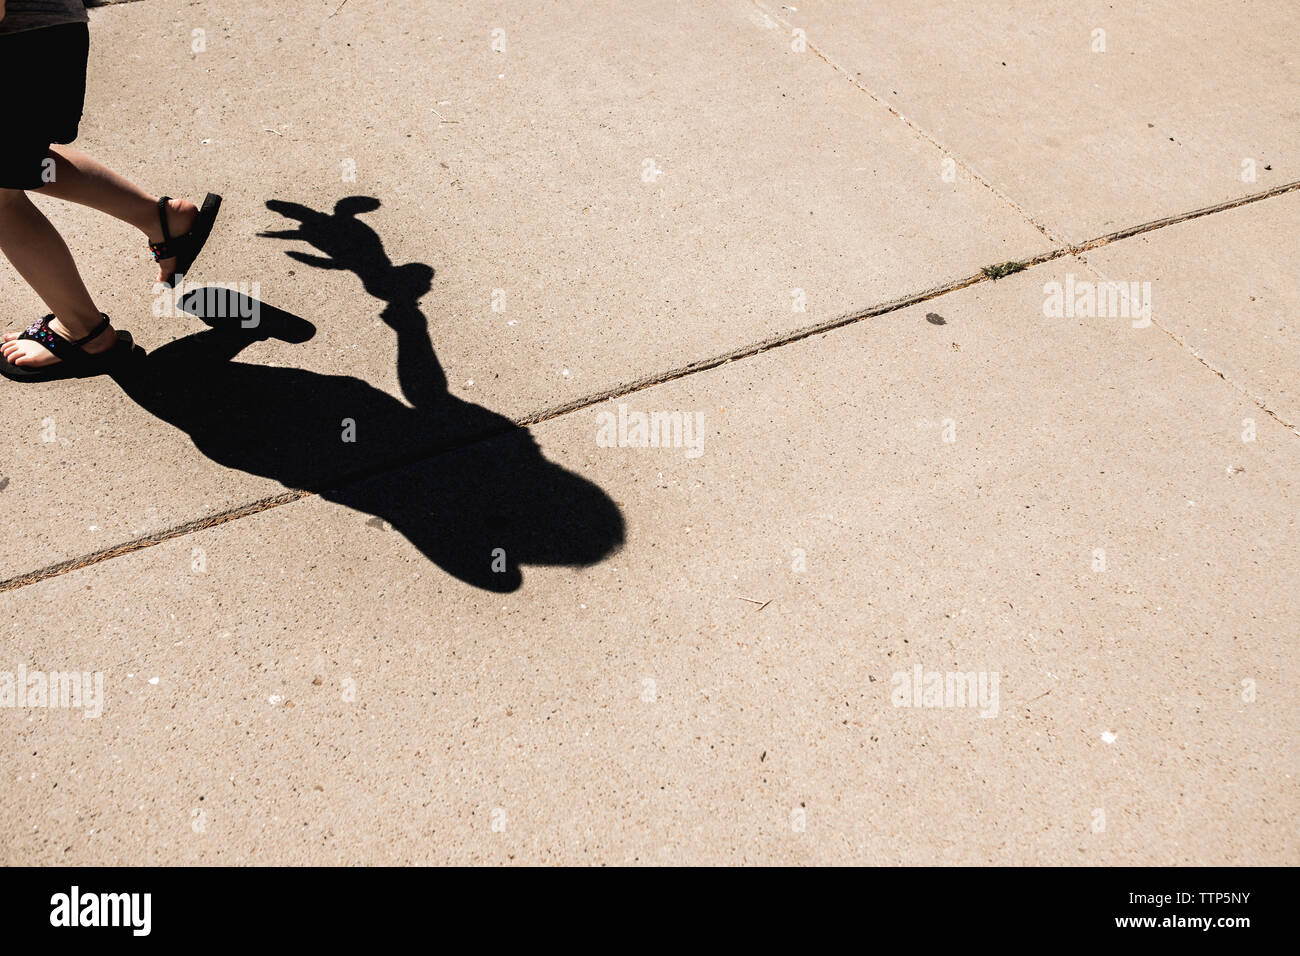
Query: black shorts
<point>42,90</point>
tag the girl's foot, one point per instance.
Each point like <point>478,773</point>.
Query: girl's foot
<point>29,354</point>
<point>181,214</point>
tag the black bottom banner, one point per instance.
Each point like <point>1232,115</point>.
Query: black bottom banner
<point>1223,907</point>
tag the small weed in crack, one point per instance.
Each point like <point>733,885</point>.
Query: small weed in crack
<point>1003,269</point>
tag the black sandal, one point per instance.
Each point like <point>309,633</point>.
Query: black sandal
<point>185,248</point>
<point>74,361</point>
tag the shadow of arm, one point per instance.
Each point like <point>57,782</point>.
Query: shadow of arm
<point>419,372</point>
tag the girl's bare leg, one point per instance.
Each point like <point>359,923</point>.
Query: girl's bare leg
<point>81,179</point>
<point>40,255</point>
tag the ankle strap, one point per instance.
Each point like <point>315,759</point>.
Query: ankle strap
<point>162,218</point>
<point>96,331</point>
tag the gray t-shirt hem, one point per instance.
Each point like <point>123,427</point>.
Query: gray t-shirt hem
<point>23,15</point>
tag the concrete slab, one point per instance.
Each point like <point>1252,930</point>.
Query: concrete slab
<point>1228,286</point>
<point>1164,111</point>
<point>722,689</point>
<point>518,178</point>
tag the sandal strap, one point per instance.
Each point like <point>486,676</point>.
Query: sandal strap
<point>161,250</point>
<point>173,247</point>
<point>162,217</point>
<point>95,332</point>
<point>63,349</point>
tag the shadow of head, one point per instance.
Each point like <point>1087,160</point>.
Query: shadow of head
<point>484,511</point>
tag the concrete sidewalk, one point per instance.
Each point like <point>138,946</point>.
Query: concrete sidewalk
<point>443,637</point>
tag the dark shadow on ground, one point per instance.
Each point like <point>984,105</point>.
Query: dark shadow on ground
<point>289,424</point>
